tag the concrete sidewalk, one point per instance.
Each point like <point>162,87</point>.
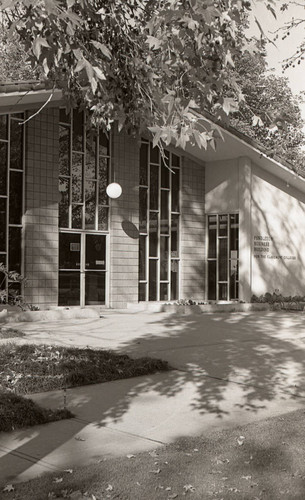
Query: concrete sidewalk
<point>230,369</point>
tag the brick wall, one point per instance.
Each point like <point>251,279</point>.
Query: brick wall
<point>192,230</point>
<point>124,216</point>
<point>41,209</point>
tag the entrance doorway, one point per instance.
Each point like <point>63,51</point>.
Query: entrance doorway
<point>82,269</point>
<point>223,256</point>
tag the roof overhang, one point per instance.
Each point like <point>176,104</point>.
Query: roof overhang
<point>230,146</point>
<point>15,99</point>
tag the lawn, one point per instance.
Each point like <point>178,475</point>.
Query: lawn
<point>259,461</point>
<point>9,333</point>
<point>29,368</point>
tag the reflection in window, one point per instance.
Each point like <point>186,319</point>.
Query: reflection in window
<point>159,201</point>
<point>223,259</point>
<point>11,194</point>
<point>84,174</point>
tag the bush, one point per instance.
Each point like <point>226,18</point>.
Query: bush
<point>17,412</point>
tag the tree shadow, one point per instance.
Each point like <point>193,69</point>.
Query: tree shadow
<point>230,369</point>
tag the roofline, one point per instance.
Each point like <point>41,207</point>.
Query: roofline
<point>282,170</point>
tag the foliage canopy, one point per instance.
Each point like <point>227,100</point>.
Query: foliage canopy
<point>147,63</point>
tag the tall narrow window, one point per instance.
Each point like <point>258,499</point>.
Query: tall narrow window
<point>159,224</point>
<point>84,159</point>
<point>222,265</point>
<point>11,196</point>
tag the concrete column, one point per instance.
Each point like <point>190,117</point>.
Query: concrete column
<point>124,217</point>
<point>245,228</point>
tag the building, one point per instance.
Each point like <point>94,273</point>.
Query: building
<point>218,225</point>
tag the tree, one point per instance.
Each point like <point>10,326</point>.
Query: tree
<point>141,62</point>
<point>270,113</point>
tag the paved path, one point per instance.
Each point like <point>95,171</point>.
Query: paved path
<point>230,369</point>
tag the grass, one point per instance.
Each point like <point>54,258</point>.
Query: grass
<point>18,412</point>
<point>268,465</point>
<point>9,333</point>
<point>30,368</point>
<point>26,369</point>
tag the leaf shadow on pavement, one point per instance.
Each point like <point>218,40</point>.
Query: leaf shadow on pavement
<point>228,368</point>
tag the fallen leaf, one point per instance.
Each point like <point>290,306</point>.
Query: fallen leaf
<point>246,477</point>
<point>109,487</point>
<point>130,456</point>
<point>78,438</point>
<point>174,495</point>
<point>157,471</point>
<point>168,488</point>
<point>234,490</point>
<point>57,480</point>
<point>196,449</point>
<point>8,487</point>
<point>240,440</point>
<point>138,484</point>
<point>189,487</point>
<point>224,478</point>
<point>153,454</point>
<point>69,471</point>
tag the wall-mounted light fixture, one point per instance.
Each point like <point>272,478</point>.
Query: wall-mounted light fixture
<point>114,190</point>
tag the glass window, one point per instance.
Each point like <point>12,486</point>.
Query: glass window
<point>3,168</point>
<point>153,234</point>
<point>16,145</point>
<point>64,117</point>
<point>154,154</point>
<point>143,210</point>
<point>142,258</point>
<point>142,291</point>
<point>95,251</point>
<point>174,279</point>
<point>163,291</point>
<point>69,251</point>
<point>212,280</point>
<point>14,254</point>
<point>164,258</point>
<point>158,202</point>
<point>143,164</point>
<point>104,144</point>
<point>154,187</point>
<point>212,228</point>
<point>95,288</point>
<point>223,257</point>
<point>175,235</point>
<point>77,216</point>
<point>234,232</point>
<point>15,198</point>
<point>165,171</point>
<point>64,150</point>
<point>2,226</point>
<point>223,225</point>
<point>3,127</point>
<point>103,180</point>
<point>164,212</point>
<point>175,190</point>
<point>223,260</point>
<point>153,279</point>
<point>69,288</point>
<point>77,178</point>
<point>103,218</point>
<point>78,131</point>
<point>64,202</point>
<point>90,199</point>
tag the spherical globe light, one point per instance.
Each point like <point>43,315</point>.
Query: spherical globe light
<point>114,190</point>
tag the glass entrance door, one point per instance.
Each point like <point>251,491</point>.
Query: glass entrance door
<point>82,269</point>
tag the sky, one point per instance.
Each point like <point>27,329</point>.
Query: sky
<point>284,48</point>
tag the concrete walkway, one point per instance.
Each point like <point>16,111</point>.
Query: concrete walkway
<point>230,369</point>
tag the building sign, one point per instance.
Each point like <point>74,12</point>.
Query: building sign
<point>263,248</point>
